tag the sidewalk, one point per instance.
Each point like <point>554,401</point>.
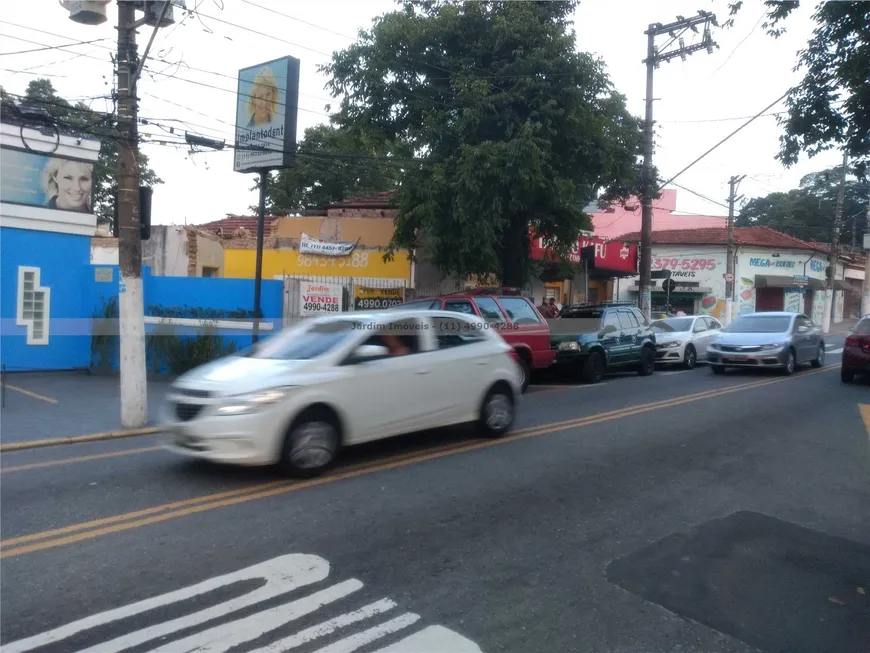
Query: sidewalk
<point>843,328</point>
<point>43,405</point>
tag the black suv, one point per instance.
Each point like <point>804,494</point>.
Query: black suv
<point>592,339</point>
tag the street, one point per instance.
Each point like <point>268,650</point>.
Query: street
<point>678,512</point>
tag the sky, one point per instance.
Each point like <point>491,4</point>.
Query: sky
<point>190,81</point>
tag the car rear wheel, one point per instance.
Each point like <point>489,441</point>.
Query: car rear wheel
<point>820,358</point>
<point>592,370</point>
<point>847,376</point>
<point>647,361</point>
<point>311,444</point>
<point>690,358</point>
<point>525,372</point>
<point>789,366</point>
<point>497,411</point>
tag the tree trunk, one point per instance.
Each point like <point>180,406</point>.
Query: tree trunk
<point>515,253</point>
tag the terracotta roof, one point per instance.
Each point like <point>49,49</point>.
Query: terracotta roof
<point>228,226</point>
<point>846,252</point>
<point>382,200</point>
<point>747,236</point>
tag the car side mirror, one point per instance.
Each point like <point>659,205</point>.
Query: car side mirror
<point>365,353</point>
<point>608,329</point>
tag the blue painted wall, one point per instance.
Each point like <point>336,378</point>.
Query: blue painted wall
<point>77,298</point>
<point>63,260</point>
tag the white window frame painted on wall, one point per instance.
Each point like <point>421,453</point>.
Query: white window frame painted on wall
<point>30,296</point>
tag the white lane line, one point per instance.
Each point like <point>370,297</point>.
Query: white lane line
<point>327,627</point>
<point>434,639</point>
<point>673,373</point>
<point>352,643</point>
<point>281,575</point>
<point>835,351</point>
<point>278,577</point>
<point>221,639</point>
<point>566,386</point>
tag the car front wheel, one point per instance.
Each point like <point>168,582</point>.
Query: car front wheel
<point>690,358</point>
<point>789,366</point>
<point>311,445</point>
<point>593,367</point>
<point>820,356</point>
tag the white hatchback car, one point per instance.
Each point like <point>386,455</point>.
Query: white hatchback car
<point>296,398</point>
<point>684,340</point>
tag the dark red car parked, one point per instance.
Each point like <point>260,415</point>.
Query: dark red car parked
<point>856,353</point>
<point>517,319</point>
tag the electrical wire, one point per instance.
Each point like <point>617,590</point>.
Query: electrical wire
<point>703,197</point>
<point>45,47</point>
<point>775,102</point>
<point>737,47</point>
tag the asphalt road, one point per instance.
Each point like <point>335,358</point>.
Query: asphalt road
<point>680,512</point>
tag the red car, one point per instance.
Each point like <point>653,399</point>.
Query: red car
<point>516,318</point>
<point>856,353</point>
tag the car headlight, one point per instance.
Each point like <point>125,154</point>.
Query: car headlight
<point>672,343</point>
<point>248,403</point>
<point>569,346</point>
<point>778,345</point>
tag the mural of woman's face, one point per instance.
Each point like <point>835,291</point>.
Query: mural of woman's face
<point>263,98</point>
<point>74,183</point>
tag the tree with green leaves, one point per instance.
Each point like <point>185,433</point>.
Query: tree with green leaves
<point>332,164</point>
<point>830,107</point>
<point>510,128</point>
<point>805,212</point>
<point>82,120</point>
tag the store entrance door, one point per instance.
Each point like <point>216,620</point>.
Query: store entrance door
<point>769,299</point>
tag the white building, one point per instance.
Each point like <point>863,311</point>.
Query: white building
<point>766,265</point>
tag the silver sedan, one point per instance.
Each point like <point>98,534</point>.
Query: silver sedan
<point>776,340</point>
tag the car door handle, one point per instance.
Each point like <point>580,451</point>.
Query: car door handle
<point>422,372</point>
<point>482,362</point>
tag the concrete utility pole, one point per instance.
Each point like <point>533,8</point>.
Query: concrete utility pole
<point>835,242</point>
<point>653,59</point>
<point>729,256</point>
<point>131,309</point>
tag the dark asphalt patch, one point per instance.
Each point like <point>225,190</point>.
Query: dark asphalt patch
<point>772,584</point>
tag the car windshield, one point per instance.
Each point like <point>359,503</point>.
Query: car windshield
<point>759,324</point>
<point>672,324</point>
<point>304,343</point>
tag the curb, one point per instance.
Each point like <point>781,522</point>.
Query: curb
<point>78,439</point>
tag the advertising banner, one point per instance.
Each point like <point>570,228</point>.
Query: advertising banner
<point>366,298</point>
<point>51,182</point>
<point>614,256</point>
<point>266,107</point>
<point>319,298</point>
<point>309,245</point>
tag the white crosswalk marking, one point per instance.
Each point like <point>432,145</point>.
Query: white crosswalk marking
<point>835,351</point>
<point>285,575</point>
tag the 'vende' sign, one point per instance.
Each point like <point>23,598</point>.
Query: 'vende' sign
<point>318,298</point>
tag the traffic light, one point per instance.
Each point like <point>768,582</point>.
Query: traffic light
<point>145,194</point>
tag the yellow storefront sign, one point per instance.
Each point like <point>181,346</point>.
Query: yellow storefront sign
<point>240,264</point>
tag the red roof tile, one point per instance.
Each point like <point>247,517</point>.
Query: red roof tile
<point>747,236</point>
<point>382,200</point>
<point>228,226</point>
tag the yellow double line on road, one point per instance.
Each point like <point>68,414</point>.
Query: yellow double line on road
<point>92,529</point>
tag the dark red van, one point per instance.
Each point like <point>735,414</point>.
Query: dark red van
<point>516,318</point>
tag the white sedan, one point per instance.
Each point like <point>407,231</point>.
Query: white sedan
<point>297,398</point>
<point>684,340</point>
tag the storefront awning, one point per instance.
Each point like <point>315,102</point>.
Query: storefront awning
<point>780,281</point>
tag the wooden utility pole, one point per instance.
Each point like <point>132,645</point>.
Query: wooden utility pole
<point>835,244</point>
<point>729,256</point>
<point>865,298</point>
<point>654,58</point>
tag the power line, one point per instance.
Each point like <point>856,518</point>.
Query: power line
<point>737,47</point>
<point>47,47</point>
<point>777,101</point>
<point>703,197</point>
